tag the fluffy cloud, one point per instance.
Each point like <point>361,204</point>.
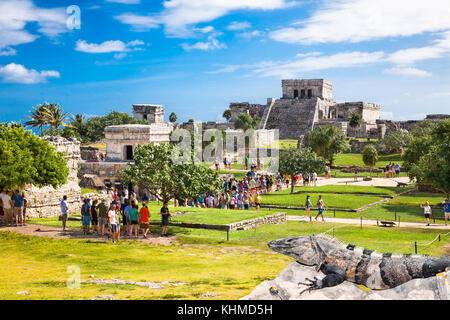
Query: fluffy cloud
<point>360,20</point>
<point>16,14</point>
<point>17,73</point>
<point>107,46</point>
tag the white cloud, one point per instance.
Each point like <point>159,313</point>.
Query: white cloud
<point>360,20</point>
<point>8,51</point>
<point>138,23</point>
<point>236,25</point>
<point>178,16</point>
<point>16,14</point>
<point>119,56</point>
<point>407,71</point>
<point>17,73</point>
<point>125,1</point>
<point>107,46</point>
<point>211,44</point>
<point>250,34</point>
<point>297,67</point>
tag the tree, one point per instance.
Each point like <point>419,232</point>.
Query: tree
<point>56,117</point>
<point>155,171</point>
<point>27,159</point>
<point>428,157</point>
<point>355,120</point>
<point>294,161</point>
<point>173,117</point>
<point>370,157</point>
<point>227,114</point>
<point>245,121</point>
<point>327,141</point>
<point>94,127</point>
<point>38,118</point>
<point>397,141</point>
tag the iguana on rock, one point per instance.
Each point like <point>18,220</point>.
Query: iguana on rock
<point>369,268</point>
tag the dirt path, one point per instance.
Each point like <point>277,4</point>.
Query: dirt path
<point>57,233</point>
<point>434,226</point>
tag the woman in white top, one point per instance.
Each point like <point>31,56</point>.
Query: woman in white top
<point>427,211</point>
<point>113,223</point>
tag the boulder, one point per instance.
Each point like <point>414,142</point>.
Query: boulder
<point>285,287</point>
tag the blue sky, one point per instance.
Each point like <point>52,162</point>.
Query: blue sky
<point>197,56</point>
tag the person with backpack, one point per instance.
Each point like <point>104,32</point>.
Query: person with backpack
<point>86,216</point>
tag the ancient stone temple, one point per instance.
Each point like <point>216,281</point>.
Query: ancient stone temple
<point>306,104</point>
<point>45,202</point>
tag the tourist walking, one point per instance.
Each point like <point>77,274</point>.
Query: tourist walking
<point>258,201</point>
<point>355,178</point>
<point>164,218</point>
<point>86,216</point>
<point>308,206</point>
<point>134,221</point>
<point>18,207</point>
<point>144,223</point>
<point>427,211</point>
<point>397,170</point>
<point>102,216</point>
<point>446,210</point>
<point>64,211</point>
<point>320,205</point>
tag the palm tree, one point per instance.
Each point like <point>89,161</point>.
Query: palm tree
<point>38,118</point>
<point>56,116</point>
<point>77,122</point>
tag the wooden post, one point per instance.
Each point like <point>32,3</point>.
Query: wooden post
<point>415,246</point>
<point>228,234</point>
<point>334,212</point>
<point>439,237</point>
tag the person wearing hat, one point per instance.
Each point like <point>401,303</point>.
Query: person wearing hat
<point>102,213</point>
<point>308,205</point>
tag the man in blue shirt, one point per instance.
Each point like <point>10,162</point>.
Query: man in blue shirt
<point>18,204</point>
<point>446,210</point>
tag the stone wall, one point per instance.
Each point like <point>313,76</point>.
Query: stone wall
<point>45,202</point>
<point>88,153</point>
<point>279,218</point>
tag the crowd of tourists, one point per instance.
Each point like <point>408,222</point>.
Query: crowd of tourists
<point>392,170</point>
<point>120,217</point>
<point>13,208</point>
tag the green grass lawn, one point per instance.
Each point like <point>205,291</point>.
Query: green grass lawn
<point>340,174</point>
<point>348,189</point>
<point>355,159</point>
<point>331,200</point>
<point>407,207</point>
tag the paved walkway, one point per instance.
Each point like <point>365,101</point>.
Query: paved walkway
<point>433,226</point>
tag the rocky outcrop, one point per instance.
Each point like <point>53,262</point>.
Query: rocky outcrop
<point>285,287</point>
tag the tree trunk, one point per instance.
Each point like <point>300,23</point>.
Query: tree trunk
<point>292,183</point>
